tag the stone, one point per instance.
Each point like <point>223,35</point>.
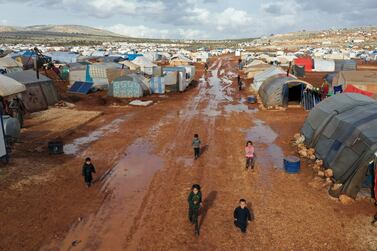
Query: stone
<point>319,162</point>
<point>329,173</point>
<point>321,174</point>
<point>345,200</point>
<point>303,153</point>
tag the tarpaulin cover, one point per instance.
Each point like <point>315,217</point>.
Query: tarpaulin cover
<point>353,89</point>
<point>307,62</point>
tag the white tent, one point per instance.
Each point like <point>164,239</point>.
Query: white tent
<point>146,65</point>
<point>130,65</point>
<point>10,65</point>
<point>324,65</point>
<point>9,86</point>
<point>262,76</point>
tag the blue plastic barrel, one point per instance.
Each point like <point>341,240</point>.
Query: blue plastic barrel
<point>292,164</point>
<point>251,99</point>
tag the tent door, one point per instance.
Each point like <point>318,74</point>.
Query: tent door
<point>285,95</point>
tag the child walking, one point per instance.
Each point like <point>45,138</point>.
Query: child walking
<point>194,201</point>
<point>87,170</point>
<point>196,145</point>
<point>249,154</point>
<point>242,216</point>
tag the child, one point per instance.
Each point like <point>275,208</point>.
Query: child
<point>196,145</point>
<point>87,171</point>
<point>249,152</point>
<point>242,216</point>
<point>194,201</point>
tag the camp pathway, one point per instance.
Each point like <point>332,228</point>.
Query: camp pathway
<point>146,203</point>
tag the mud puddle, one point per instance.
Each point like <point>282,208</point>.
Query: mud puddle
<point>75,147</point>
<point>241,106</point>
<point>263,137</point>
<point>126,185</point>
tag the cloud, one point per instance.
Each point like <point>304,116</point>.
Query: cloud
<point>3,22</point>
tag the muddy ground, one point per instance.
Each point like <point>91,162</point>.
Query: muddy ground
<point>145,168</point>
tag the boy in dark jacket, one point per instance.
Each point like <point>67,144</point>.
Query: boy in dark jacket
<point>87,171</point>
<point>196,145</point>
<point>242,216</point>
<point>194,201</point>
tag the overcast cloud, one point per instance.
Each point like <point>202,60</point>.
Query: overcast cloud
<point>211,19</point>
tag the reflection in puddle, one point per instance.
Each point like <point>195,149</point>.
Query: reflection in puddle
<point>264,137</point>
<point>126,185</point>
<point>261,133</point>
<point>185,161</point>
<point>74,147</point>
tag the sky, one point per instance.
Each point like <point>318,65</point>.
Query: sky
<point>193,19</point>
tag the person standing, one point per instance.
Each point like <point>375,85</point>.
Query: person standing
<point>239,82</point>
<point>242,216</point>
<point>249,154</point>
<point>196,145</point>
<point>87,171</point>
<point>194,202</point>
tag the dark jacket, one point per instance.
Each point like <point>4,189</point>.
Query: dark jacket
<point>87,171</point>
<point>194,197</point>
<point>242,215</point>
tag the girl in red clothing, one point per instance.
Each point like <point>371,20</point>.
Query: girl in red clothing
<point>249,154</point>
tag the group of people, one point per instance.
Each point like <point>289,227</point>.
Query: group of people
<point>242,215</point>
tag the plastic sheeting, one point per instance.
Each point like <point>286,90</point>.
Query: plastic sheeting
<point>9,86</point>
<point>324,65</point>
<point>260,77</point>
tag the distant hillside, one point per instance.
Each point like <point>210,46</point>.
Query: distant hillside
<point>68,29</point>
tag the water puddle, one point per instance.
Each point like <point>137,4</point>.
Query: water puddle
<point>185,161</point>
<point>126,185</point>
<point>264,137</point>
<point>77,144</point>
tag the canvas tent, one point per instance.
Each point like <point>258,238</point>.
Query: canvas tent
<point>345,65</point>
<point>9,86</point>
<point>40,93</point>
<point>343,130</point>
<point>364,82</point>
<point>262,76</point>
<point>130,86</point>
<point>145,65</point>
<point>8,65</point>
<point>321,65</point>
<point>130,65</point>
<point>280,90</point>
<point>182,81</point>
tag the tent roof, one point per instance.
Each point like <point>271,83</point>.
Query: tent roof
<point>28,77</point>
<point>9,86</point>
<point>143,62</point>
<point>9,62</point>
<point>129,64</point>
<point>356,78</point>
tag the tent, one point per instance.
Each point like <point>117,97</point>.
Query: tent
<point>262,76</point>
<point>130,65</point>
<point>63,56</point>
<point>40,93</point>
<point>280,90</point>
<point>324,65</point>
<point>307,62</point>
<point>364,82</point>
<point>182,81</point>
<point>8,65</point>
<point>345,65</point>
<point>145,65</point>
<point>9,86</point>
<point>130,86</point>
<point>180,59</point>
<point>343,130</point>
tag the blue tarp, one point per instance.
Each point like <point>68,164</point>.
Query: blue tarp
<point>81,87</point>
<point>133,56</point>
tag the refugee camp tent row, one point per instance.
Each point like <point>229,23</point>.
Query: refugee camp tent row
<point>40,93</point>
<point>146,66</point>
<point>343,131</point>
<point>282,90</point>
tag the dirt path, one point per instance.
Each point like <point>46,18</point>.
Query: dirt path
<point>145,207</point>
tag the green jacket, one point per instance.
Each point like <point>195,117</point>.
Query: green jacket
<point>195,197</point>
